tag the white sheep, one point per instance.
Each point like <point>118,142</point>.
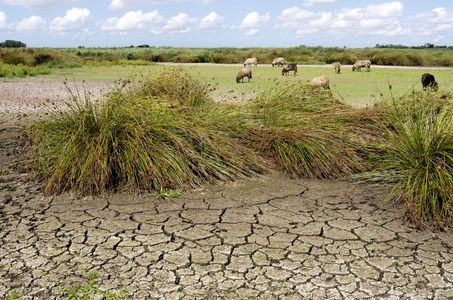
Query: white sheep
<point>360,64</point>
<point>245,72</point>
<point>279,61</point>
<point>322,81</point>
<point>250,62</point>
<point>337,67</point>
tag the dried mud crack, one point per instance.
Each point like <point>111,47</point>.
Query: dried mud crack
<point>266,238</point>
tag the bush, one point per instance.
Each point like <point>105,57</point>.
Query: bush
<point>12,71</point>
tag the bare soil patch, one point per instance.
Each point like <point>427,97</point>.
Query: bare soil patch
<point>25,100</point>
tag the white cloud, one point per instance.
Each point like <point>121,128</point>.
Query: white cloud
<point>133,20</point>
<point>306,31</point>
<point>252,32</point>
<point>32,24</point>
<point>73,24</point>
<point>123,4</point>
<point>3,23</point>
<point>291,17</point>
<point>211,21</point>
<point>385,10</point>
<point>82,35</point>
<point>439,21</point>
<point>373,19</point>
<point>253,20</point>
<point>309,3</point>
<point>35,4</point>
<point>74,20</point>
<point>152,22</point>
<point>176,24</point>
<point>373,23</point>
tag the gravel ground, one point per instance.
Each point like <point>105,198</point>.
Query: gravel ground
<point>30,93</point>
<point>266,238</point>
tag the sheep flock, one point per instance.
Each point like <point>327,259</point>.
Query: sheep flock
<point>323,81</point>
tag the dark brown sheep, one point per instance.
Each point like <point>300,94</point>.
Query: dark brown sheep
<point>429,82</point>
<point>290,67</point>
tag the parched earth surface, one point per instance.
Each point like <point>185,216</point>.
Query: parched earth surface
<point>265,238</point>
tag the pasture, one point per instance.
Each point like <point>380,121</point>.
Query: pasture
<point>355,88</point>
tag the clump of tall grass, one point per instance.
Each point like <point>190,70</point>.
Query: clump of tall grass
<point>138,138</point>
<point>176,87</point>
<point>420,151</point>
<point>309,132</point>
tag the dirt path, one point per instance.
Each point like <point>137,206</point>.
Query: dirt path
<point>267,238</point>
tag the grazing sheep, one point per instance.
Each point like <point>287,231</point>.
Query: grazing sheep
<point>290,67</point>
<point>360,64</point>
<point>337,67</point>
<point>246,72</point>
<point>429,82</point>
<point>250,62</point>
<point>279,61</point>
<point>322,81</point>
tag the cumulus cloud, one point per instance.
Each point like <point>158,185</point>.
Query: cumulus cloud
<point>309,3</point>
<point>211,21</point>
<point>176,24</point>
<point>73,25</point>
<point>292,16</point>
<point>379,19</point>
<point>37,4</point>
<point>153,22</point>
<point>385,10</point>
<point>74,20</point>
<point>133,20</point>
<point>124,4</point>
<point>3,23</point>
<point>252,21</point>
<point>32,24</point>
<point>436,22</point>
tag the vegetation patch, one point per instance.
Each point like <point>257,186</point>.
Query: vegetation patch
<point>166,134</point>
<point>420,152</point>
<point>140,140</point>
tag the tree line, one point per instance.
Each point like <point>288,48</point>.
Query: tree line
<point>12,44</point>
<point>425,46</point>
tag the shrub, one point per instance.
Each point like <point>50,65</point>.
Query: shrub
<point>12,71</point>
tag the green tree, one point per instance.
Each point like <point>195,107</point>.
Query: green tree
<point>12,44</point>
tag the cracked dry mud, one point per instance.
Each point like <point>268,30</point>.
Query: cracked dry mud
<point>266,238</point>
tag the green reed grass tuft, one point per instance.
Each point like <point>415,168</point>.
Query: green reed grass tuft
<point>138,140</point>
<point>420,150</point>
<point>310,133</point>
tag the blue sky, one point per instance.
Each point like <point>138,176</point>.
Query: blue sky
<point>220,23</point>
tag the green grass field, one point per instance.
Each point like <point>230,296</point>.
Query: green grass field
<point>356,88</point>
